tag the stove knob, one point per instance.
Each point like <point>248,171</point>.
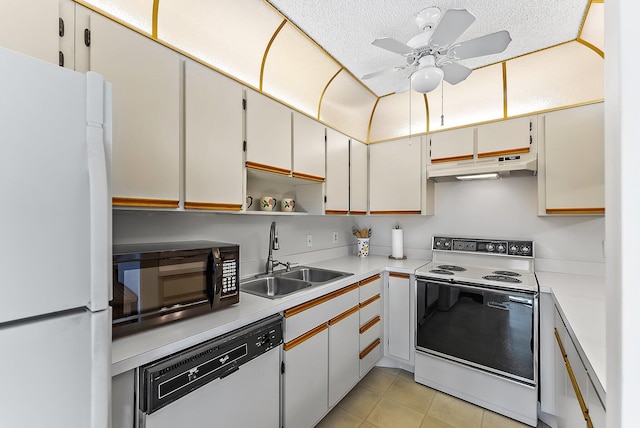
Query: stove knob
<point>500,248</point>
<point>490,247</point>
<point>447,244</point>
<point>438,243</point>
<point>513,249</point>
<point>525,249</point>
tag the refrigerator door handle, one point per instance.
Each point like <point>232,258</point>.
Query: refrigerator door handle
<point>98,106</point>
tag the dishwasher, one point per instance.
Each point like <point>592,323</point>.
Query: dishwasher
<point>232,380</point>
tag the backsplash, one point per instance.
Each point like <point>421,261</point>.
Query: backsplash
<point>495,208</point>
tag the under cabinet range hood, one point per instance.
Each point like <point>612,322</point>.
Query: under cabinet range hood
<point>513,165</point>
<point>499,149</point>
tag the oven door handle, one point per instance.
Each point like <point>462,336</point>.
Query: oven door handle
<point>211,278</point>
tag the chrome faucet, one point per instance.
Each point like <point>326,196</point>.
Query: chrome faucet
<point>273,245</point>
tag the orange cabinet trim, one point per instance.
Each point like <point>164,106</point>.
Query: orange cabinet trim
<point>370,279</point>
<point>268,168</point>
<point>212,206</point>
<point>397,212</point>
<point>370,324</point>
<point>452,159</point>
<point>144,202</point>
<point>308,335</point>
<point>311,303</point>
<point>575,210</point>
<point>358,212</point>
<point>338,212</point>
<point>562,351</point>
<point>504,152</point>
<point>369,348</point>
<point>370,301</point>
<point>344,315</point>
<point>308,176</point>
<point>399,275</point>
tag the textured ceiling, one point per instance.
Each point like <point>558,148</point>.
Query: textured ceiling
<point>345,29</point>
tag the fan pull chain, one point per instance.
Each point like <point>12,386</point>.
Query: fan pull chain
<point>442,104</point>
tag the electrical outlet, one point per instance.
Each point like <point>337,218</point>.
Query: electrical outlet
<point>309,240</point>
<point>335,237</point>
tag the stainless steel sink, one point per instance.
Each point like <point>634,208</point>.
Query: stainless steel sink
<point>315,275</point>
<point>273,286</point>
<point>282,283</point>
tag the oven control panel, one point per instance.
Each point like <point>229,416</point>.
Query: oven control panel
<point>484,246</point>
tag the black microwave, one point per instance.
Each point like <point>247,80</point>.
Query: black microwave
<point>158,283</point>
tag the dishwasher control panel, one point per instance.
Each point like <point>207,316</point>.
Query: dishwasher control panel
<point>175,376</point>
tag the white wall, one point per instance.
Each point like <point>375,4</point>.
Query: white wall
<point>503,208</point>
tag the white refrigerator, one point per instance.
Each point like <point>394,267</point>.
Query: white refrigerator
<point>55,245</point>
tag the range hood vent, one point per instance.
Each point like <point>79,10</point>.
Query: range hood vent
<point>505,166</point>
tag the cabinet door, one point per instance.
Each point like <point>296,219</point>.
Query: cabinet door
<point>146,113</point>
<point>306,379</point>
<point>213,140</point>
<point>451,146</point>
<point>395,177</point>
<point>31,27</point>
<point>574,160</point>
<point>337,186</point>
<point>505,137</point>
<point>358,178</point>
<point>308,148</point>
<point>344,359</point>
<point>399,316</point>
<point>268,134</point>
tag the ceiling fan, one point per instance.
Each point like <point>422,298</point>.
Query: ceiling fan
<point>432,54</point>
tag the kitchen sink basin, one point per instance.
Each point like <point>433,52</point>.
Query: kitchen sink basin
<point>282,283</point>
<point>273,286</point>
<point>315,275</point>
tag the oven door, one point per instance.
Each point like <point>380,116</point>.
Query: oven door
<point>490,329</point>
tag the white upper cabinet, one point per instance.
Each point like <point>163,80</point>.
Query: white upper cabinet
<point>358,178</point>
<point>268,125</point>
<point>337,184</point>
<point>146,110</point>
<point>395,177</point>
<point>213,140</point>
<point>451,146</point>
<point>571,161</point>
<point>31,27</point>
<point>308,148</point>
<point>505,137</point>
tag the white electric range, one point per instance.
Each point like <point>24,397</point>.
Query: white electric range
<point>477,323</point>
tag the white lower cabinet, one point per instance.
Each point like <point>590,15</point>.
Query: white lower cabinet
<point>399,316</point>
<point>370,323</point>
<point>306,380</point>
<point>577,403</point>
<point>320,355</point>
<point>344,370</point>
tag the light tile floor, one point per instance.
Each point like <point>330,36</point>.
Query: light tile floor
<point>389,398</point>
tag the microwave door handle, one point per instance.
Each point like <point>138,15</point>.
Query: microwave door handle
<point>211,278</point>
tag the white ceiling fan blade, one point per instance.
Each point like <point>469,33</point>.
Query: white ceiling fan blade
<point>485,45</point>
<point>381,73</point>
<point>451,26</point>
<point>455,73</point>
<point>393,45</point>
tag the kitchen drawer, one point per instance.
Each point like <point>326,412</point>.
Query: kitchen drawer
<point>307,316</point>
<point>370,356</point>
<point>369,309</point>
<point>370,287</point>
<point>370,332</point>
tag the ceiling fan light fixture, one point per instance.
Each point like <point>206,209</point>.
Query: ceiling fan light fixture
<point>426,79</point>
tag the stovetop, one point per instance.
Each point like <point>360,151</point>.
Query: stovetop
<point>498,263</point>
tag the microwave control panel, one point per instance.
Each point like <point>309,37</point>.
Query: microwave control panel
<point>229,278</point>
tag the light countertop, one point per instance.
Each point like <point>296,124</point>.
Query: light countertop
<point>138,349</point>
<point>581,301</point>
